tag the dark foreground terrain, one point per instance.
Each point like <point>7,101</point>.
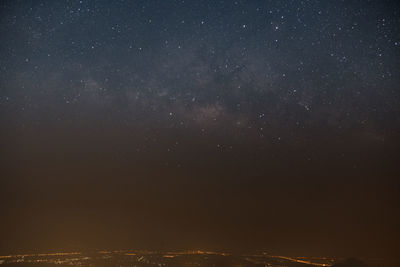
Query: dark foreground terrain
<point>123,258</point>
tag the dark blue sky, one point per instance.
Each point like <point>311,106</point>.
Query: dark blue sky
<point>281,117</point>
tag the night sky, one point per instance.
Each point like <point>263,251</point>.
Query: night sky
<point>200,124</point>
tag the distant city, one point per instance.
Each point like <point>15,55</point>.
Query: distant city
<point>188,258</point>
